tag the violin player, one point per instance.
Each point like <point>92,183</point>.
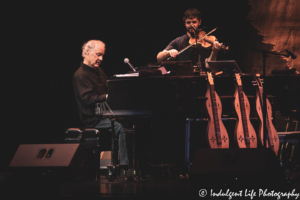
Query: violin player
<point>207,52</point>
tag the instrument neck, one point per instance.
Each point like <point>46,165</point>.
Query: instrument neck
<point>215,113</point>
<point>243,112</point>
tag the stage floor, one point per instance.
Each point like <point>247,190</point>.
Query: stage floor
<point>179,188</point>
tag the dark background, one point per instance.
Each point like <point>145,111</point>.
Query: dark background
<point>40,99</point>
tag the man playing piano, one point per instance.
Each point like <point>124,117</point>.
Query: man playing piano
<point>90,87</point>
<point>192,21</point>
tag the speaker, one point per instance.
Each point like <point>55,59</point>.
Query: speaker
<point>236,168</point>
<point>70,161</point>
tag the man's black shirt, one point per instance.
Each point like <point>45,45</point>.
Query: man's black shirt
<point>90,87</point>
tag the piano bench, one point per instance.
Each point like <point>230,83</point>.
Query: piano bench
<point>101,139</point>
<point>89,137</point>
<point>73,135</point>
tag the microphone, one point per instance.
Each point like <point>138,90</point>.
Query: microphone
<point>126,60</point>
<point>195,29</point>
<point>293,56</point>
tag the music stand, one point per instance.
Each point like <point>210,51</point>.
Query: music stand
<point>228,66</point>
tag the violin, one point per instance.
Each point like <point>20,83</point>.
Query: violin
<point>244,133</point>
<point>202,38</point>
<point>216,132</point>
<point>206,41</point>
<point>273,139</point>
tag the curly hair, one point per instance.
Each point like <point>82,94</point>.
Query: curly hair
<point>87,46</point>
<point>191,13</point>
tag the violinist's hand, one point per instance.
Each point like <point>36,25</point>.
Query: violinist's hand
<point>216,46</point>
<point>173,53</point>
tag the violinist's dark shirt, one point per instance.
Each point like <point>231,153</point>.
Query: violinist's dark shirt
<point>191,53</point>
<point>90,87</point>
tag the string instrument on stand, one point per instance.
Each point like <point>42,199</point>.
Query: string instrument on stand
<point>216,132</point>
<point>273,139</point>
<point>244,133</point>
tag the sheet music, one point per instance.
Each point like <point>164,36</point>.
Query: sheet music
<point>137,74</point>
<point>127,75</point>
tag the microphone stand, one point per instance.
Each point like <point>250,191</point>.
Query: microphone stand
<point>265,55</point>
<point>198,68</point>
<point>198,63</point>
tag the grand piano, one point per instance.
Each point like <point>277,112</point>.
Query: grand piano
<point>185,95</point>
<point>174,101</point>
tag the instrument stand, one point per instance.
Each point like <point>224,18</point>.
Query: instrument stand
<point>265,54</point>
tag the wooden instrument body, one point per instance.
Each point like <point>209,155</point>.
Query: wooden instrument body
<point>205,42</point>
<point>216,132</point>
<point>273,139</point>
<point>244,134</point>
